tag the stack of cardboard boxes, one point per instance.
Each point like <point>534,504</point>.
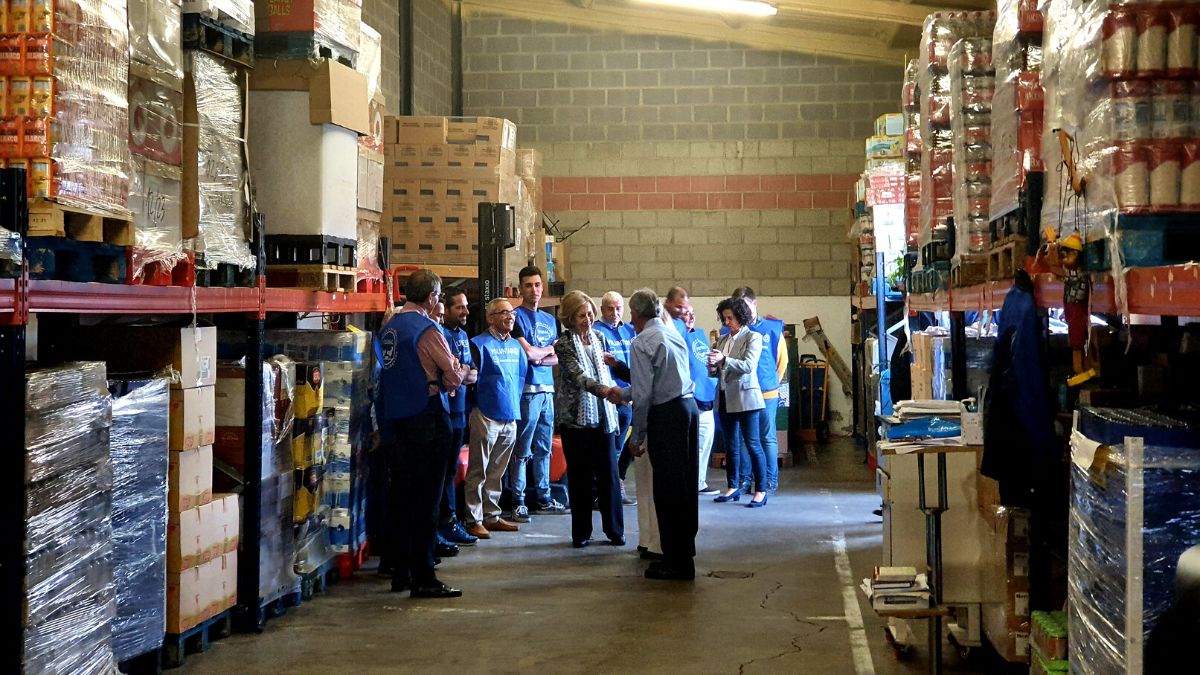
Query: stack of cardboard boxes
<point>1006,583</point>
<point>437,170</point>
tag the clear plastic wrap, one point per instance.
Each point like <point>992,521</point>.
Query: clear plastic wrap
<point>220,166</point>
<point>972,87</point>
<point>156,201</point>
<point>1120,80</point>
<point>155,39</point>
<point>75,64</point>
<point>329,21</point>
<point>1006,580</point>
<point>1135,507</point>
<point>236,14</point>
<point>368,249</point>
<point>939,34</point>
<point>1017,109</point>
<point>69,592</point>
<point>910,100</point>
<point>139,514</point>
<point>337,488</point>
<point>370,59</point>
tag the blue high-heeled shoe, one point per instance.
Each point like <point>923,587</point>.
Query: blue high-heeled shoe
<point>721,499</point>
<point>757,505</point>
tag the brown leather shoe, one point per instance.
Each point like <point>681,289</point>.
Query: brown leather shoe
<point>478,530</point>
<point>500,525</point>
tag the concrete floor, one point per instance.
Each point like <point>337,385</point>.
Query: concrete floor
<point>769,598</point>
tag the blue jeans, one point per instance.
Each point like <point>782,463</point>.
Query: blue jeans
<point>770,442</point>
<point>743,449</point>
<point>624,421</point>
<point>535,434</point>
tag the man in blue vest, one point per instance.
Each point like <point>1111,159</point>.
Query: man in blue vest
<point>417,366</point>
<point>705,394</point>
<point>677,301</point>
<point>771,367</point>
<point>502,365</point>
<point>618,334</point>
<point>454,322</point>
<point>537,332</point>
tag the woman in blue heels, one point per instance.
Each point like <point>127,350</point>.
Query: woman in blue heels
<point>734,362</point>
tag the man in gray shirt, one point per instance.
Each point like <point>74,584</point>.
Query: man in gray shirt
<point>665,422</point>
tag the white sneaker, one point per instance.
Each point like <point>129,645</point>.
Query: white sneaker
<point>520,514</point>
<point>554,508</point>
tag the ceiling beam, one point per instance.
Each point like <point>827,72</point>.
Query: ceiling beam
<point>886,11</point>
<point>754,34</point>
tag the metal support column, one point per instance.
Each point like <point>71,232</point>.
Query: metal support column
<point>456,58</point>
<point>407,54</point>
<point>249,562</point>
<point>958,355</point>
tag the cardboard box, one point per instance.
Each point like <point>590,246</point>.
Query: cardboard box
<point>337,94</point>
<point>189,543</point>
<point>370,183</point>
<point>431,235</point>
<point>461,131</point>
<point>420,130</point>
<point>308,399</point>
<point>223,593</point>
<point>190,479</point>
<point>885,147</point>
<point>403,231</point>
<point>891,124</point>
<point>193,418</point>
<point>403,155</point>
<point>435,155</point>
<point>496,131</point>
<point>226,522</point>
<point>187,598</point>
<point>485,191</point>
<point>460,156</point>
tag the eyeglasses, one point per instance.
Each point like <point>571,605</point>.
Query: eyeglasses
<point>503,312</point>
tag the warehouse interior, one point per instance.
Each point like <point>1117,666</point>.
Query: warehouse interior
<point>960,234</point>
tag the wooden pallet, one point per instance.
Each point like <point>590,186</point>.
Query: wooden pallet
<point>1005,259</point>
<point>318,580</point>
<point>51,219</point>
<point>176,648</point>
<point>294,249</point>
<point>224,275</point>
<point>313,277</point>
<point>971,269</point>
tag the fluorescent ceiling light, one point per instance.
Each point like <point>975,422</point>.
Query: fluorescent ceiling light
<point>749,7</point>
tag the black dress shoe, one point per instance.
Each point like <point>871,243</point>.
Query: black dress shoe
<point>651,555</point>
<point>401,585</point>
<point>666,572</point>
<point>435,590</point>
<point>641,549</point>
<point>581,544</point>
<point>616,541</point>
<point>446,550</point>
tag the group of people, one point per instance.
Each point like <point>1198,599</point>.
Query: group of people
<point>641,394</point>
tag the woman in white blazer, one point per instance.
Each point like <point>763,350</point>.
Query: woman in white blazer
<point>734,362</point>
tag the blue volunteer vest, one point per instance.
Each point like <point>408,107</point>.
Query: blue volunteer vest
<point>460,347</point>
<point>698,347</point>
<point>772,332</point>
<point>541,330</point>
<point>501,366</point>
<point>405,387</point>
<point>618,343</point>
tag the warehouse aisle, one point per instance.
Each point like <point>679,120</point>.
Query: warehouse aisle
<point>768,599</point>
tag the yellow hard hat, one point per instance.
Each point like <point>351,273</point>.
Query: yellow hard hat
<point>1073,242</point>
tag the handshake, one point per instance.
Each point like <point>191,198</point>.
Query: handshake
<point>613,395</point>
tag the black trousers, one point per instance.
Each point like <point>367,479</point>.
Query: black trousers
<point>672,435</point>
<point>448,512</point>
<point>418,473</point>
<point>592,460</point>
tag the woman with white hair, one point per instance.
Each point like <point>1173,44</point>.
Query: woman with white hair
<point>587,421</point>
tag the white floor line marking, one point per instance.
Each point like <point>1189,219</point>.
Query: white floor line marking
<point>859,647</point>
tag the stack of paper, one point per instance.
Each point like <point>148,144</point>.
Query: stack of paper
<point>893,588</point>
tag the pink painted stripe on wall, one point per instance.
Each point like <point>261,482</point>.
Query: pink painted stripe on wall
<point>697,193</point>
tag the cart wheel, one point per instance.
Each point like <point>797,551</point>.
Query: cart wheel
<point>901,651</point>
<point>823,433</point>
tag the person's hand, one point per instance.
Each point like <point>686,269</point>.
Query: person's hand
<point>715,358</point>
<point>376,440</point>
<point>614,395</point>
<point>638,448</point>
<point>610,360</point>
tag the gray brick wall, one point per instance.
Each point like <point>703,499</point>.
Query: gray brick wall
<point>607,105</point>
<point>384,16</point>
<point>432,91</point>
<point>605,86</point>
